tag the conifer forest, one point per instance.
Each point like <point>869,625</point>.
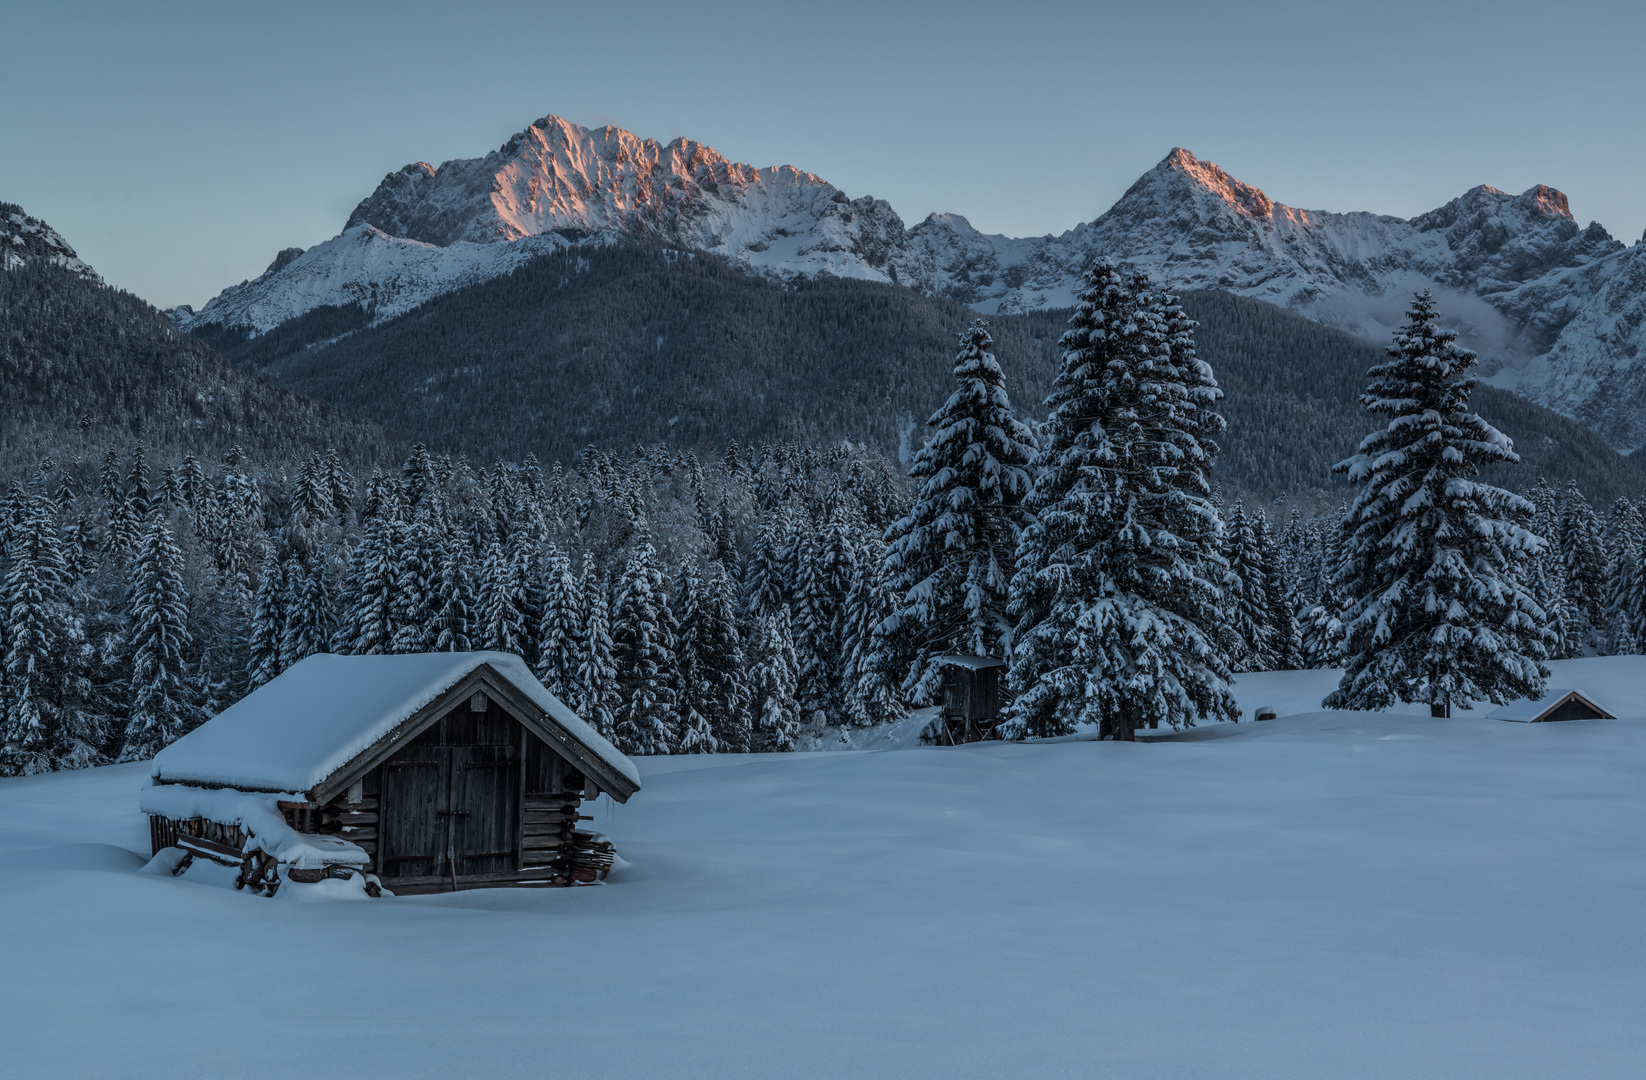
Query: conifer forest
<point>752,598</point>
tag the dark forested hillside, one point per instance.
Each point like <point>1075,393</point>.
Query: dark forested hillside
<point>622,345</point>
<point>81,361</point>
<point>1292,388</point>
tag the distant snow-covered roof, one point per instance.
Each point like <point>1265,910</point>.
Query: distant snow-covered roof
<point>972,663</point>
<point>1526,711</point>
<point>323,712</point>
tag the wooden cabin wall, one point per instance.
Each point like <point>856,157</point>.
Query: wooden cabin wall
<point>520,797</point>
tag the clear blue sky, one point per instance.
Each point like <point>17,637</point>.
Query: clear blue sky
<point>179,146</point>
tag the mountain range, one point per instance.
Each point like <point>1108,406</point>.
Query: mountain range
<point>1558,310</point>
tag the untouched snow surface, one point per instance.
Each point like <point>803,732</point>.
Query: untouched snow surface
<point>1324,895</point>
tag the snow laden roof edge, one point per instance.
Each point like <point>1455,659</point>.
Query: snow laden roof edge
<point>321,714</point>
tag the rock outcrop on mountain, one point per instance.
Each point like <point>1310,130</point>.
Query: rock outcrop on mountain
<point>24,239</point>
<point>1526,284</point>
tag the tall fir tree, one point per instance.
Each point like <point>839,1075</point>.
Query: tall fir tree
<point>597,700</point>
<point>502,624</point>
<point>1285,643</point>
<point>950,559</point>
<point>1245,610</point>
<point>722,682</point>
<point>643,657</point>
<point>1116,587</point>
<point>560,629</point>
<point>313,619</point>
<point>268,623</point>
<point>368,627</point>
<point>1586,558</point>
<point>688,617</point>
<point>1434,567</point>
<point>162,706</point>
<point>455,623</point>
<point>32,632</point>
<point>776,712</point>
<point>871,690</point>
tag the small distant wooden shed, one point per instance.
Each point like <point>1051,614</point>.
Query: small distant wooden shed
<point>969,699</point>
<point>449,770</point>
<point>1554,705</point>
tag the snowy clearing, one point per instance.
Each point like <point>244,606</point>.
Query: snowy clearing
<point>1327,894</point>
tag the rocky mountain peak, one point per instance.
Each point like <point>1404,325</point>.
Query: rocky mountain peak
<point>23,238</point>
<point>1243,198</point>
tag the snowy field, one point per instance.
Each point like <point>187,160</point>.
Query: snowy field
<point>1326,895</point>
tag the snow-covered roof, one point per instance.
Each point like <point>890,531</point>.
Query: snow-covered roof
<point>972,663</point>
<point>1527,711</point>
<point>295,731</point>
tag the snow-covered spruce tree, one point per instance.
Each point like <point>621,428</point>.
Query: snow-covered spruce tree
<point>871,692</point>
<point>1433,570</point>
<point>1245,607</point>
<point>268,623</point>
<point>722,682</point>
<point>1586,556</point>
<point>1322,625</point>
<point>312,618</point>
<point>826,569</point>
<point>776,713</point>
<point>646,720</point>
<point>763,587</point>
<point>32,631</point>
<point>454,626</point>
<point>416,588</point>
<point>950,560</point>
<point>1115,591</point>
<point>561,627</point>
<point>502,625</point>
<point>597,699</point>
<point>162,706</point>
<point>1285,643</point>
<point>368,626</point>
<point>687,615</point>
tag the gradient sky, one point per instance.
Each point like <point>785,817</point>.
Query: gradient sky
<point>179,146</point>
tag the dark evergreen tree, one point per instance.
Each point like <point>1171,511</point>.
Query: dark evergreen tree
<point>32,635</point>
<point>1285,643</point>
<point>1586,557</point>
<point>455,624</point>
<point>162,706</point>
<point>268,623</point>
<point>776,713</point>
<point>950,560</point>
<point>560,630</point>
<point>1115,592</point>
<point>871,691</point>
<point>644,659</point>
<point>1434,568</point>
<point>598,700</point>
<point>1245,613</point>
<point>312,620</point>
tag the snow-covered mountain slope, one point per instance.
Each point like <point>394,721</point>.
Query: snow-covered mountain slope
<point>1518,273</point>
<point>23,238</point>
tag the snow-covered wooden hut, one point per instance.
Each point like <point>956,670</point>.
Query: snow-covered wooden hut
<point>442,771</point>
<point>1553,705</point>
<point>969,698</point>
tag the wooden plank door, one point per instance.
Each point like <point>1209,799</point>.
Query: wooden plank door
<point>485,786</point>
<point>412,822</point>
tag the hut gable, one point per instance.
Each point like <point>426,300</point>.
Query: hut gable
<point>1553,705</point>
<point>327,720</point>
